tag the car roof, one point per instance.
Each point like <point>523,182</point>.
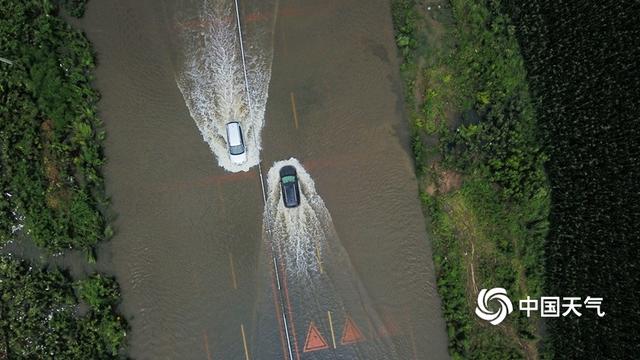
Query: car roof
<point>290,194</point>
<point>234,133</point>
<point>287,170</point>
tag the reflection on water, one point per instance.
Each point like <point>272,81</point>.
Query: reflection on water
<point>210,74</point>
<point>329,314</point>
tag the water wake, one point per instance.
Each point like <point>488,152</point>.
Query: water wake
<point>297,234</point>
<point>211,76</point>
<point>317,278</point>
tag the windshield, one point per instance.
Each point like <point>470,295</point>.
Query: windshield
<point>288,179</point>
<point>236,150</point>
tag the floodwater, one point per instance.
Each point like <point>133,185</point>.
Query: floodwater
<point>210,70</point>
<point>194,245</point>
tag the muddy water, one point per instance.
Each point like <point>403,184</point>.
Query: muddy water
<point>189,240</point>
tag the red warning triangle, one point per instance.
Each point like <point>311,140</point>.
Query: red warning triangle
<point>351,333</point>
<point>314,341</point>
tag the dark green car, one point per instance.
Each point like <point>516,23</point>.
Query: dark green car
<point>290,187</point>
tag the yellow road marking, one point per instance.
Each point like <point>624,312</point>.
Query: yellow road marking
<point>319,259</point>
<point>205,339</point>
<point>295,112</point>
<point>233,272</point>
<point>333,335</point>
<point>244,342</point>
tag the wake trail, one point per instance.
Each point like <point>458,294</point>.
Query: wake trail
<point>211,77</point>
<point>317,273</point>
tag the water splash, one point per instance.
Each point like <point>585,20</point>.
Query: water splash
<point>299,234</point>
<point>316,274</point>
<point>211,76</point>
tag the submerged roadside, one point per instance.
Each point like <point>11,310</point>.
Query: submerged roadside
<point>52,191</point>
<point>479,162</point>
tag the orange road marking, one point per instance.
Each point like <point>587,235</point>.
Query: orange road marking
<point>411,333</point>
<point>205,340</point>
<point>390,326</point>
<point>234,282</point>
<point>333,335</point>
<point>244,342</point>
<point>351,333</point>
<point>293,108</point>
<point>215,180</point>
<point>335,161</point>
<point>315,341</point>
<point>413,342</point>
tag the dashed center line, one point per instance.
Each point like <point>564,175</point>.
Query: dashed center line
<point>244,342</point>
<point>205,340</point>
<point>294,110</point>
<point>234,281</point>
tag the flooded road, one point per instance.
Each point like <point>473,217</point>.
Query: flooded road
<point>190,251</point>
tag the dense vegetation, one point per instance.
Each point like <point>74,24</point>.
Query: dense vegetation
<point>480,164</point>
<point>51,190</point>
<point>41,317</point>
<point>582,60</point>
<point>49,134</point>
<point>73,7</point>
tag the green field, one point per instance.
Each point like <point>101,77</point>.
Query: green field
<point>581,59</point>
<point>480,162</point>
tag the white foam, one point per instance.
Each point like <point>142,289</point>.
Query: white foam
<point>212,84</point>
<point>300,237</point>
<point>300,234</point>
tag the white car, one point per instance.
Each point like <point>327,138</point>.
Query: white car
<point>237,150</point>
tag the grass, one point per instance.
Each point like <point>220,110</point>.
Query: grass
<point>466,92</point>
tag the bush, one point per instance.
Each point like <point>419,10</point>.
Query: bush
<point>501,209</point>
<point>40,314</point>
<point>50,138</point>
